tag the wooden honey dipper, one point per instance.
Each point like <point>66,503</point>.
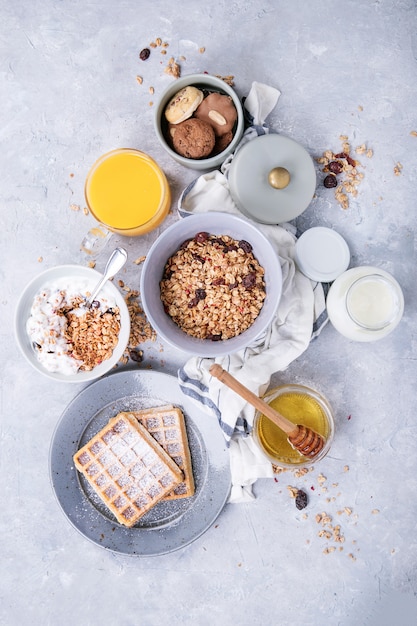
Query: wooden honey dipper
<point>305,440</point>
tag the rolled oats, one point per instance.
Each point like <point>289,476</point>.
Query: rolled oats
<point>213,287</point>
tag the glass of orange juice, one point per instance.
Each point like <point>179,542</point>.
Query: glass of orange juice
<point>127,193</point>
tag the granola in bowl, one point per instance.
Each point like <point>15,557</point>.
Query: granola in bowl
<point>211,284</point>
<point>213,287</point>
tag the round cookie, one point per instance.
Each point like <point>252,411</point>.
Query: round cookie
<point>219,111</point>
<point>222,142</point>
<point>193,139</point>
<point>183,104</point>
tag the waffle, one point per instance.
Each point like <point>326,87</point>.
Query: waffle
<point>127,468</point>
<point>166,424</point>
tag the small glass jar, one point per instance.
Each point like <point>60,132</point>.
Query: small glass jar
<point>302,406</point>
<point>365,303</point>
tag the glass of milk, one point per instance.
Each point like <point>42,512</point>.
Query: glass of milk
<point>372,302</point>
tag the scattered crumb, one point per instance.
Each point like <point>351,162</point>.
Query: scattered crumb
<point>40,259</point>
<point>360,107</point>
<point>227,79</point>
<point>202,50</point>
<point>172,68</point>
<point>139,260</point>
<point>91,264</point>
<point>139,79</point>
<point>86,211</point>
<point>413,133</point>
<point>74,207</point>
<point>151,90</point>
<point>151,103</point>
<point>292,491</point>
<point>397,169</point>
<point>375,511</point>
<point>346,468</point>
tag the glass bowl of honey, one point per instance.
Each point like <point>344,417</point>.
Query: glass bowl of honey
<point>302,406</point>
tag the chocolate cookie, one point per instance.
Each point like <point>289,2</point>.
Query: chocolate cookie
<point>193,139</point>
<point>222,142</point>
<point>219,111</point>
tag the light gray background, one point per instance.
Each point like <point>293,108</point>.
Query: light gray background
<point>69,94</point>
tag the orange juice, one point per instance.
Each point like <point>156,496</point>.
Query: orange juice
<point>127,191</point>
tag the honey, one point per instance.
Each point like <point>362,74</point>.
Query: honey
<point>300,405</point>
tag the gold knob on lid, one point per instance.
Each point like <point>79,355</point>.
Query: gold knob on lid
<point>279,177</point>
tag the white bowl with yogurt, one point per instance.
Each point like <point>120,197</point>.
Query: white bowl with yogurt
<point>40,326</point>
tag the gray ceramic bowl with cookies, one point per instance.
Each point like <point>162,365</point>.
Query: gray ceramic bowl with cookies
<point>199,121</point>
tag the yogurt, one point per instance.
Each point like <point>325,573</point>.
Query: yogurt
<point>48,323</point>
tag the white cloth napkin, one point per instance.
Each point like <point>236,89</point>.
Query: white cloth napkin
<point>300,317</point>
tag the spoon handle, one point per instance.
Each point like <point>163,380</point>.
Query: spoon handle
<point>114,264</point>
<point>217,371</point>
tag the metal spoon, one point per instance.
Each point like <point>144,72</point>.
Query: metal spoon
<point>115,263</point>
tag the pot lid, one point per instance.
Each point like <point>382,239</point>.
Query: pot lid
<point>272,179</point>
<point>322,254</point>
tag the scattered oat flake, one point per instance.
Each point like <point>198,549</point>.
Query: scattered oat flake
<point>158,41</point>
<point>139,260</point>
<point>86,211</point>
<point>40,259</point>
<point>75,207</point>
<point>151,90</point>
<point>139,79</point>
<point>202,50</point>
<point>413,133</point>
<point>163,51</point>
<point>321,479</point>
<point>172,68</point>
<point>370,153</point>
<point>91,264</point>
<point>292,491</point>
<point>397,169</point>
<point>375,511</point>
<point>346,468</point>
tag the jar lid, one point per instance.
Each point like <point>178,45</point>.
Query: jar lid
<point>322,254</point>
<point>272,179</point>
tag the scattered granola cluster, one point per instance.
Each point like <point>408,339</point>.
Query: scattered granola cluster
<point>329,531</point>
<point>341,163</point>
<point>140,329</point>
<point>173,66</point>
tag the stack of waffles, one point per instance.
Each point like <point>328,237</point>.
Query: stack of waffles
<point>137,460</point>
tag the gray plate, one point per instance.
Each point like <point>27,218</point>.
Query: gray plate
<point>168,526</point>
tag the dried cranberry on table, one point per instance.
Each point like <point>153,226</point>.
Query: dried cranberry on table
<point>301,500</point>
<point>330,181</point>
<point>144,54</point>
<point>335,167</point>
